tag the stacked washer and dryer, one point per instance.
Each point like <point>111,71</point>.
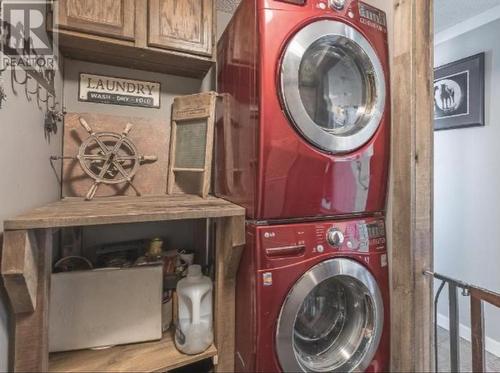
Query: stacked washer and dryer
<point>303,144</point>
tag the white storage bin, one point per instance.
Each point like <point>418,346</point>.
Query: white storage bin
<point>104,307</point>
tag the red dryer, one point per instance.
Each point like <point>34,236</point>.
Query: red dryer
<point>313,297</point>
<point>305,130</point>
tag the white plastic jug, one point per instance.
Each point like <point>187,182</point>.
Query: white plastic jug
<point>194,333</point>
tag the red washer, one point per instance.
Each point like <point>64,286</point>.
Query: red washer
<point>313,297</point>
<point>307,120</point>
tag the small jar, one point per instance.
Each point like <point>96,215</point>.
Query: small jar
<point>155,249</point>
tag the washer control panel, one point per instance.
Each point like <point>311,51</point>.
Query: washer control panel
<point>288,242</point>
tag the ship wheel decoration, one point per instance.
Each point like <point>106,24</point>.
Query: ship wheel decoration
<point>110,158</point>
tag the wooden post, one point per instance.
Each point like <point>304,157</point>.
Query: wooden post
<point>230,238</point>
<point>477,333</point>
<point>30,352</point>
<point>19,269</point>
<point>412,174</point>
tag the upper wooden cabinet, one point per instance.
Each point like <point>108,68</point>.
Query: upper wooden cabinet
<point>115,18</point>
<point>185,25</point>
<point>169,36</point>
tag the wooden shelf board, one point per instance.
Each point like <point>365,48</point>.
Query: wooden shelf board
<point>159,356</point>
<point>72,212</point>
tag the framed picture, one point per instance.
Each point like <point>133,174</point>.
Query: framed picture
<point>459,94</point>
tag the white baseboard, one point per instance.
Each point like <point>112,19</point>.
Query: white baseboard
<point>491,345</point>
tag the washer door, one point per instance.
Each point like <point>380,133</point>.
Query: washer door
<point>332,320</point>
<point>333,86</point>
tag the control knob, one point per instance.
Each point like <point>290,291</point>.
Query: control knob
<point>335,237</point>
<point>337,4</point>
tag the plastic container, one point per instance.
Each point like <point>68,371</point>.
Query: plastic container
<point>194,332</point>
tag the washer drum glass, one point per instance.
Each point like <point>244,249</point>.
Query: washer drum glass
<point>331,320</point>
<point>333,86</point>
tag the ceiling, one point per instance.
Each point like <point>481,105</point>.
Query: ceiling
<point>229,6</point>
<point>448,13</point>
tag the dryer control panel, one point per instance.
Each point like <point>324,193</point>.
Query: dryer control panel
<point>292,242</point>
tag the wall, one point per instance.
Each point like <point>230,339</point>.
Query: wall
<point>467,185</point>
<point>222,19</point>
<point>27,179</point>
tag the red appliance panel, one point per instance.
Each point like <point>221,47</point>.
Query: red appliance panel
<point>236,131</point>
<point>264,281</point>
<point>287,177</point>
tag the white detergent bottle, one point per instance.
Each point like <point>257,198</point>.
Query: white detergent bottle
<point>194,332</point>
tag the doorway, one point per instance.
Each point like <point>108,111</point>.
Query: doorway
<point>466,167</point>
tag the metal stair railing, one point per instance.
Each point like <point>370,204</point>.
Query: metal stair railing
<point>477,297</point>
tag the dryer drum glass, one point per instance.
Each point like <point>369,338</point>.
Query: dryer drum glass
<point>336,85</point>
<point>334,326</point>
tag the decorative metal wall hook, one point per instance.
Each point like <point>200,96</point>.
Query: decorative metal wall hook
<point>52,118</point>
<point>2,69</point>
<point>36,91</point>
<point>44,100</point>
<point>3,95</point>
<point>13,73</point>
<point>27,92</point>
<point>54,104</point>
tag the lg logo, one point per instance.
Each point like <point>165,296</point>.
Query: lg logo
<point>269,234</point>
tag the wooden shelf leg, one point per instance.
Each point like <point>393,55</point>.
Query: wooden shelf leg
<point>230,238</point>
<point>19,269</point>
<point>30,352</point>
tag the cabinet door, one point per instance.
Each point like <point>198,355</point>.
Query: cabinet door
<point>184,25</point>
<point>113,18</point>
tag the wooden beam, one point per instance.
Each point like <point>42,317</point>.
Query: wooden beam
<point>229,246</point>
<point>412,175</point>
<point>486,295</point>
<point>477,333</point>
<point>19,269</point>
<point>30,352</point>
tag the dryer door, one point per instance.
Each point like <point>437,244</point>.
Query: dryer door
<point>333,86</point>
<point>331,321</point>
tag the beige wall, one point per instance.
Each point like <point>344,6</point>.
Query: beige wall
<point>27,179</point>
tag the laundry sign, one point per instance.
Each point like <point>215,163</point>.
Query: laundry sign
<point>118,91</point>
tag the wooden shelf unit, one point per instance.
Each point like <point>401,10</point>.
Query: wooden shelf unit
<point>141,357</point>
<point>27,265</point>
